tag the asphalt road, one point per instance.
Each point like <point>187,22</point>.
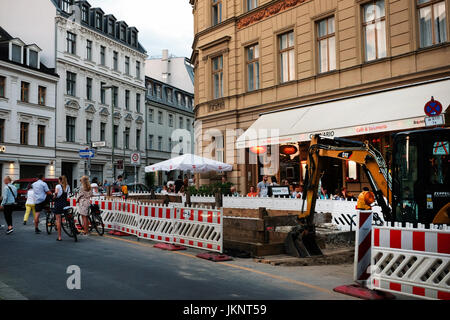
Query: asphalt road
<point>34,267</point>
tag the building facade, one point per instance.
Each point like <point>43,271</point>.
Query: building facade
<point>27,110</point>
<point>339,64</point>
<point>170,124</point>
<point>101,92</point>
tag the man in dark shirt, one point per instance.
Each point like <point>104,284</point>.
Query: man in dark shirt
<point>179,183</point>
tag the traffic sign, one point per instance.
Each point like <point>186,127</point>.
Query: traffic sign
<point>87,154</point>
<point>135,158</point>
<point>433,108</point>
<point>434,121</point>
<point>99,144</point>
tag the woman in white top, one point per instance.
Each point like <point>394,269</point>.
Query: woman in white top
<point>94,186</point>
<point>30,205</point>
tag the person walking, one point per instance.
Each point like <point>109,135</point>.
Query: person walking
<point>83,200</point>
<point>42,196</point>
<point>8,203</point>
<point>30,205</point>
<point>62,191</point>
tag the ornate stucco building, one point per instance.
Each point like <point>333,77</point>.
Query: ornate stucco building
<point>355,68</point>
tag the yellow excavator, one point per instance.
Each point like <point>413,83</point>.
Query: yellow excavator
<point>417,192</point>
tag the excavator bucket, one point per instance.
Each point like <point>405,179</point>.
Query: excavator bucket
<point>301,242</point>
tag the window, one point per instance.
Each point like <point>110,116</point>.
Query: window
<point>24,91</point>
<point>115,135</point>
<point>181,122</point>
<point>89,50</point>
<point>126,138</point>
<point>85,14</point>
<point>150,142</point>
<point>65,5</point>
<point>179,98</point>
<point>287,56</point>
<point>149,89</point>
<point>24,133</point>
<point>98,20</point>
<point>42,92</point>
<point>70,129</point>
<point>160,143</point>
<point>160,117</point>
<point>188,124</point>
<point>169,95</point>
<point>33,59</point>
<point>216,12</point>
<point>89,88</point>
<point>16,53</point>
<point>251,4</point>
<point>170,120</point>
<point>374,30</point>
<point>138,69</point>
<point>134,39</point>
<point>102,131</point>
<point>150,115</point>
<point>432,22</point>
<point>102,55</point>
<point>41,136</point>
<point>114,98</point>
<point>138,102</point>
<point>127,99</point>
<point>217,74</point>
<point>71,42</point>
<point>88,131</point>
<point>158,91</point>
<point>71,83</point>
<point>326,44</point>
<point>115,60</point>
<point>253,67</point>
<point>2,130</point>
<point>138,139</point>
<point>2,87</point>
<point>123,33</point>
<point>102,93</point>
<point>111,27</point>
<point>127,65</point>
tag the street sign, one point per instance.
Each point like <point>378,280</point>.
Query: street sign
<point>99,144</point>
<point>434,121</point>
<point>87,154</point>
<point>433,108</point>
<point>135,158</point>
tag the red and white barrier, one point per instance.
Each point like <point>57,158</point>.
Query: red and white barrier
<point>200,228</point>
<point>156,223</point>
<point>363,241</point>
<point>411,261</point>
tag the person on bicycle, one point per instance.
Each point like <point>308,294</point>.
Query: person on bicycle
<point>42,196</point>
<point>62,191</point>
<point>84,201</point>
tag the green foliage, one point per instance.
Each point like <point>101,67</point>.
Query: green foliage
<point>212,189</point>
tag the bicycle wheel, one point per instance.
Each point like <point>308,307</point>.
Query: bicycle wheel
<point>98,224</point>
<point>49,222</point>
<point>66,224</point>
<point>74,229</point>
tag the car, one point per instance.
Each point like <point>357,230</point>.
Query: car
<point>22,189</point>
<point>138,187</point>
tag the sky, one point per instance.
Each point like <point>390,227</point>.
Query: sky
<point>162,24</point>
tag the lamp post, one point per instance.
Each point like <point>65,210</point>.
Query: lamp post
<point>112,133</point>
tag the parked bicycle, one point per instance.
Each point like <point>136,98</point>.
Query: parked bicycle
<point>95,220</point>
<point>67,222</point>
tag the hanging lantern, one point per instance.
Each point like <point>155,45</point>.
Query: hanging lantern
<point>288,150</point>
<point>258,149</point>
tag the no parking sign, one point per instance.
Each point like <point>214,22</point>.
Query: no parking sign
<point>433,108</point>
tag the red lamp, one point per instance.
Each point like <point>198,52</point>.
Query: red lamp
<point>258,149</point>
<point>288,150</point>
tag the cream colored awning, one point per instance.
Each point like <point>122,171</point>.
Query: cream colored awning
<point>391,110</point>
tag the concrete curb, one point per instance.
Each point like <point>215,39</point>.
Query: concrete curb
<point>8,293</point>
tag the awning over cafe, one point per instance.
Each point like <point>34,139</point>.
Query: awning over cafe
<point>394,109</point>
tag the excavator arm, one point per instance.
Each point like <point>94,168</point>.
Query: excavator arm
<point>301,241</point>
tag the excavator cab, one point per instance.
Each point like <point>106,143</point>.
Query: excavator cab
<point>421,176</point>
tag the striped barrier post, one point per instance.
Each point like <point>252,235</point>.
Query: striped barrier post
<point>363,243</point>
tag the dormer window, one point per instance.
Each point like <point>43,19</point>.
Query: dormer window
<point>85,14</point>
<point>134,39</point>
<point>33,58</point>
<point>98,20</point>
<point>111,27</point>
<point>123,33</point>
<point>65,5</point>
<point>16,53</point>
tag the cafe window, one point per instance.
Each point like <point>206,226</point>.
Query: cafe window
<point>432,22</point>
<point>374,30</point>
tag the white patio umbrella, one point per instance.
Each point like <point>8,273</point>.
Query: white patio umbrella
<point>190,162</point>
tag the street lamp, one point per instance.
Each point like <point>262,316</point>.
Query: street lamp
<point>112,133</point>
